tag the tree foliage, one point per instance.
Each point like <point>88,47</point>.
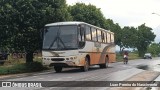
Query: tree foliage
<point>154,49</point>
<point>139,38</point>
<point>87,13</point>
<point>129,37</point>
<point>145,38</point>
<point>22,21</point>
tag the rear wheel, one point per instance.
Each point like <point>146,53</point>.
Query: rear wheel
<point>86,65</point>
<point>105,65</point>
<point>57,69</point>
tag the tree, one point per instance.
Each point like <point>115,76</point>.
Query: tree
<point>87,13</point>
<point>145,37</point>
<point>129,37</point>
<point>22,22</point>
<point>154,49</point>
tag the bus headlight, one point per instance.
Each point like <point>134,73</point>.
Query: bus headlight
<point>71,58</point>
<point>67,58</point>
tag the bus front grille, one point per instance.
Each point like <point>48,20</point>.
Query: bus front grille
<point>57,59</point>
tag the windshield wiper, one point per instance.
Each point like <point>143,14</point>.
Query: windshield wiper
<point>54,40</point>
<point>62,42</point>
<point>57,38</point>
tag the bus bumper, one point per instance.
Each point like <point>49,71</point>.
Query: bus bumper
<point>61,61</point>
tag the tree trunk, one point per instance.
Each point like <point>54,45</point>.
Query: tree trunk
<point>141,53</point>
<point>29,57</point>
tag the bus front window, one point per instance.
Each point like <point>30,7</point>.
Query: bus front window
<point>60,37</point>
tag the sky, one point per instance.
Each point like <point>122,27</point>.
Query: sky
<point>129,12</point>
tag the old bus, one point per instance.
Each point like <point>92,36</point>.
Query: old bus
<point>77,44</point>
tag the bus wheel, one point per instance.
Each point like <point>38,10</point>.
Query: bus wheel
<point>57,69</point>
<point>86,66</point>
<point>105,65</point>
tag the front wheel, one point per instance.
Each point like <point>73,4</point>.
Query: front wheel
<point>86,65</point>
<point>57,69</point>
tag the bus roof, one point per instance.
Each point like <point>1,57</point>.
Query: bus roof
<point>64,23</point>
<point>74,23</point>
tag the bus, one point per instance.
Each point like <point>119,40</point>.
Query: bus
<point>77,44</point>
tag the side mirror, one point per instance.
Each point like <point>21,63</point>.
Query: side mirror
<point>41,32</point>
<point>45,30</point>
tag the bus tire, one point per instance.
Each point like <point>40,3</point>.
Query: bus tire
<point>57,69</point>
<point>85,68</point>
<point>105,65</point>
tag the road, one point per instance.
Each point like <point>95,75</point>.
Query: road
<point>115,72</point>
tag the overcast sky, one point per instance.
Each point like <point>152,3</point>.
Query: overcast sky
<point>129,12</point>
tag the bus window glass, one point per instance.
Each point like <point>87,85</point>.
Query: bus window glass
<point>103,39</point>
<point>88,33</point>
<point>81,30</point>
<point>99,35</point>
<point>108,38</point>
<point>60,37</point>
<point>81,36</point>
<point>112,38</point>
<point>94,34</point>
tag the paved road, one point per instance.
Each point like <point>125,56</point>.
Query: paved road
<point>115,72</point>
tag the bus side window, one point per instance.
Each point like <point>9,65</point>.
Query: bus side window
<point>103,39</point>
<point>112,38</point>
<point>81,36</point>
<point>81,33</point>
<point>94,34</point>
<point>108,37</point>
<point>88,33</point>
<point>99,35</point>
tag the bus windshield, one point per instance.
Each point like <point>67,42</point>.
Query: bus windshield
<point>60,37</point>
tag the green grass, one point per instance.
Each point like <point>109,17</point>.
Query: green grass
<point>132,56</point>
<point>19,65</point>
<point>22,68</point>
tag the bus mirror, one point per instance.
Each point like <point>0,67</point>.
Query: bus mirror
<point>45,30</point>
<point>41,32</point>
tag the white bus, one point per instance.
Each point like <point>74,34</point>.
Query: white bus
<point>77,44</point>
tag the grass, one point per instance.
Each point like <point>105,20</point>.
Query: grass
<point>132,56</point>
<point>18,65</point>
<point>22,68</point>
